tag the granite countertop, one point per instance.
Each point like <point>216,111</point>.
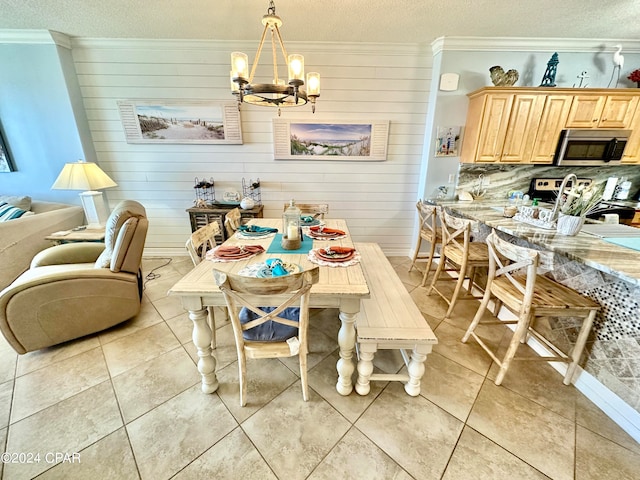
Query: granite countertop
<point>593,251</point>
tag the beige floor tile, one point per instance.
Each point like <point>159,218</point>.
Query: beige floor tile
<point>412,278</point>
<point>326,320</point>
<point>591,417</point>
<point>602,459</point>
<point>147,317</point>
<point>171,436</point>
<point>8,361</point>
<point>402,425</point>
<point>109,458</point>
<point>169,306</point>
<point>6,394</point>
<point>293,435</point>
<point>47,356</point>
<point>47,386</point>
<point>537,381</point>
<point>469,355</point>
<point>478,457</point>
<point>181,327</point>
<point>266,379</point>
<point>3,444</point>
<point>323,379</point>
<point>540,437</point>
<point>136,348</point>
<point>158,288</point>
<point>232,458</point>
<point>430,304</point>
<point>449,385</point>
<point>356,457</point>
<point>154,382</point>
<point>68,426</point>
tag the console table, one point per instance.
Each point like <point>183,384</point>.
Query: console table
<point>199,217</point>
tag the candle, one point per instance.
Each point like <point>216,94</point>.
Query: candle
<point>292,232</point>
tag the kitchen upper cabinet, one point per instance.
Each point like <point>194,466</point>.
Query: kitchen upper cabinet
<point>601,111</point>
<point>523,125</point>
<point>632,149</point>
<point>504,128</point>
<point>554,116</point>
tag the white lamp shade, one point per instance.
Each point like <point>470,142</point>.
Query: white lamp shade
<point>82,176</point>
<point>89,177</point>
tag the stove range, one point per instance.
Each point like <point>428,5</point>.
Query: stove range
<point>546,190</point>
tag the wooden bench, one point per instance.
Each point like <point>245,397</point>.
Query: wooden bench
<point>389,320</point>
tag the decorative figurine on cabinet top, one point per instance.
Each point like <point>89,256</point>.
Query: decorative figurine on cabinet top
<point>549,78</point>
<point>500,78</point>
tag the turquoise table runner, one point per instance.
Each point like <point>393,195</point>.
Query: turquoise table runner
<point>275,247</point>
<point>628,242</point>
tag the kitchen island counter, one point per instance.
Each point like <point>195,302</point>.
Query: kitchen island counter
<point>590,250</point>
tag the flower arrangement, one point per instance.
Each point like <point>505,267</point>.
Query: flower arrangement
<point>581,200</point>
<point>635,76</point>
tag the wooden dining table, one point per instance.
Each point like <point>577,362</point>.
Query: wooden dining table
<point>340,287</point>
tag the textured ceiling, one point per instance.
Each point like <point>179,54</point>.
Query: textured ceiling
<point>418,21</point>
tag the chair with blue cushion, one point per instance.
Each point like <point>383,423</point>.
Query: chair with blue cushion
<point>276,329</point>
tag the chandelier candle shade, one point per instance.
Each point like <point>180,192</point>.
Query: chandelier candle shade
<point>277,93</point>
<point>87,176</point>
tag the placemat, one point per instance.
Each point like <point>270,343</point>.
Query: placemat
<point>627,242</point>
<point>275,247</point>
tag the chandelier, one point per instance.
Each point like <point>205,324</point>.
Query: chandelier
<point>275,94</point>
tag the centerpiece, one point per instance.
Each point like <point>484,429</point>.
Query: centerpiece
<point>579,201</point>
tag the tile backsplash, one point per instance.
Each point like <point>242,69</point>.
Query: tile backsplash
<point>499,180</point>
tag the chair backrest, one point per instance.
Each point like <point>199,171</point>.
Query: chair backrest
<point>510,261</point>
<point>201,241</point>
<point>125,234</point>
<point>280,292</point>
<point>456,231</point>
<point>428,215</point>
<point>320,209</point>
<point>232,221</point>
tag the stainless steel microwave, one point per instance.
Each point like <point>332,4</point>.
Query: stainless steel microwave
<point>590,147</point>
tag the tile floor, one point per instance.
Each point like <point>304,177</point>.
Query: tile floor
<point>127,404</point>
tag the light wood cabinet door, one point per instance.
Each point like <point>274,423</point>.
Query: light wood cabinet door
<point>493,127</point>
<point>632,150</point>
<point>554,118</point>
<point>601,111</point>
<point>523,124</point>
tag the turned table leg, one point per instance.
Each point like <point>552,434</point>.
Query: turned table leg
<point>347,342</point>
<point>202,340</point>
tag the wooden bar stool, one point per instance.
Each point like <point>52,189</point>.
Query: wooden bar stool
<point>458,254</point>
<point>530,295</point>
<point>430,232</point>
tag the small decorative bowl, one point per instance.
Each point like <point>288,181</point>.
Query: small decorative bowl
<point>510,211</point>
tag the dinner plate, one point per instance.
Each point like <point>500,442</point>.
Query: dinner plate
<point>335,259</point>
<point>323,253</point>
<point>291,268</point>
<point>341,257</point>
<point>254,234</point>
<point>234,255</point>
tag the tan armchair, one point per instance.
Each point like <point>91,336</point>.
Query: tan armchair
<point>76,289</point>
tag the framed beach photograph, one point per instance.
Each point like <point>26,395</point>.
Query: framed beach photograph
<point>447,141</point>
<point>315,140</point>
<point>165,121</point>
<point>5,159</point>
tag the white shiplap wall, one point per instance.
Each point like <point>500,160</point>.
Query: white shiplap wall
<point>359,82</point>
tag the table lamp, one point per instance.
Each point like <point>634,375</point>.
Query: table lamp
<point>87,176</point>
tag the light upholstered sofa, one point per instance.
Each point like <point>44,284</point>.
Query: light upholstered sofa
<point>22,238</point>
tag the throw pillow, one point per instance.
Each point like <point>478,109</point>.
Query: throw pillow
<point>9,212</point>
<point>23,202</point>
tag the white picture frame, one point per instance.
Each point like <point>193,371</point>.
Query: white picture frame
<point>330,140</point>
<point>182,122</point>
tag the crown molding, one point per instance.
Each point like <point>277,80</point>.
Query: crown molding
<point>245,45</point>
<point>35,37</point>
<point>521,44</point>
